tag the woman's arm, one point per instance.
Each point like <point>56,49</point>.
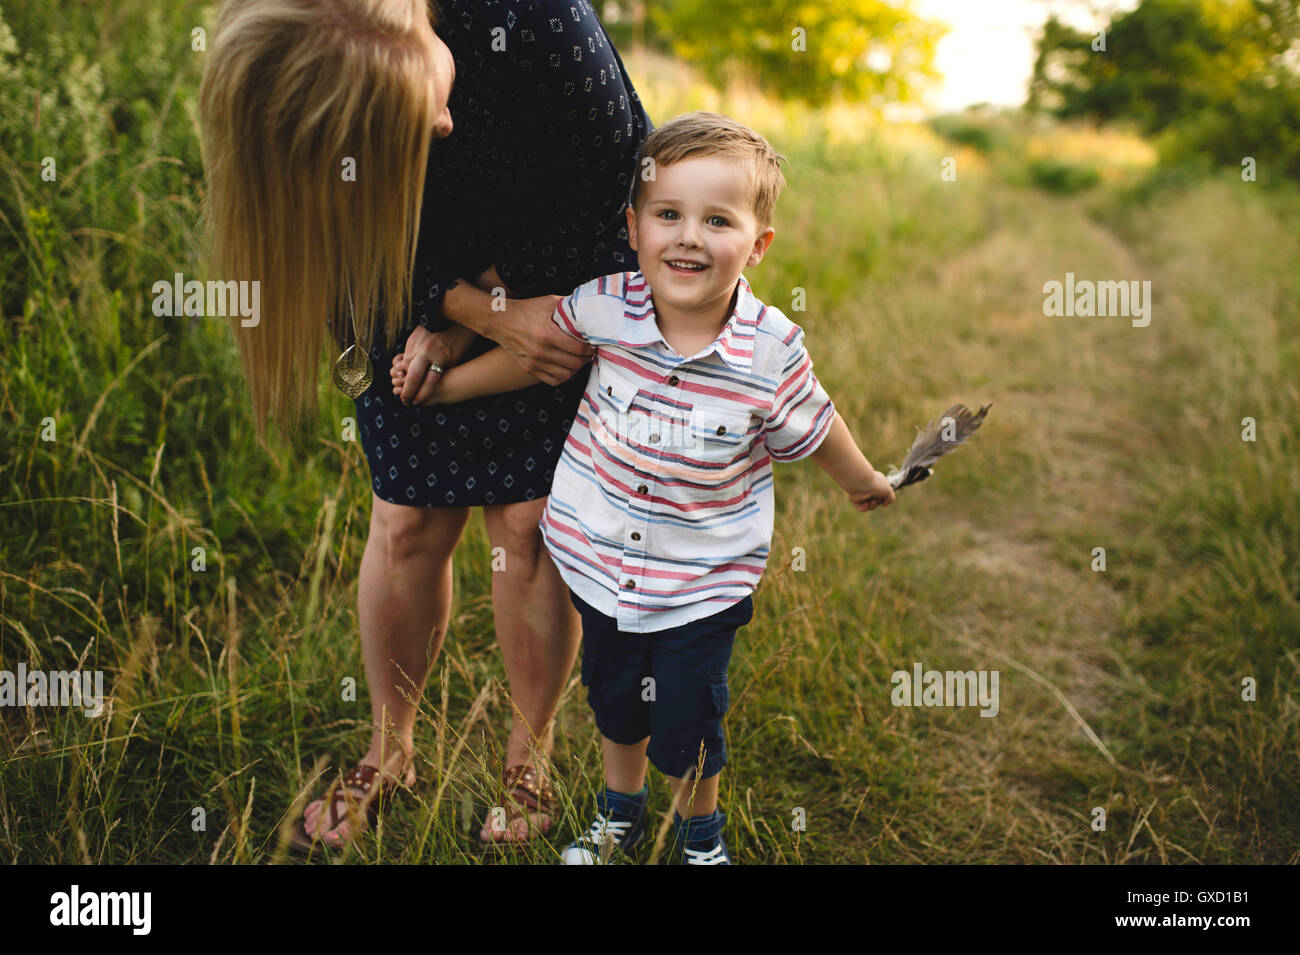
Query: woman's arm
<point>522,327</point>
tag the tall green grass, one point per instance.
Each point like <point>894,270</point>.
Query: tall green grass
<point>227,683</point>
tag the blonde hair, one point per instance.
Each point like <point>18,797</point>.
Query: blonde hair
<point>291,88</point>
<point>712,134</point>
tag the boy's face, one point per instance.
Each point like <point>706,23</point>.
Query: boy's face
<point>695,232</point>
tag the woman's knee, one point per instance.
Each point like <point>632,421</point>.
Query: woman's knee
<point>408,533</point>
<point>514,527</point>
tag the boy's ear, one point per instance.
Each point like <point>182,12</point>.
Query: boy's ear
<point>631,227</point>
<point>761,245</point>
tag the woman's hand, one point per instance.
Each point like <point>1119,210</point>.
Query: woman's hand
<point>523,328</point>
<point>530,336</point>
<point>414,375</point>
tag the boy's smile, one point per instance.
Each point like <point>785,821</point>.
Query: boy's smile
<point>696,232</point>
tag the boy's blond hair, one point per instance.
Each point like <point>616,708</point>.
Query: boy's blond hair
<point>712,134</point>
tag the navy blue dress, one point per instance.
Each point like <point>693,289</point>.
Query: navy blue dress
<point>533,179</point>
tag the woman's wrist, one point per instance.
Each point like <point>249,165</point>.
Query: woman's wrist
<point>471,307</point>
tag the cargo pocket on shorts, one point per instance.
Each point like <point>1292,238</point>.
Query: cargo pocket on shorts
<point>719,695</point>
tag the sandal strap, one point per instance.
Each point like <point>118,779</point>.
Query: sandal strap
<point>361,776</point>
<point>537,794</point>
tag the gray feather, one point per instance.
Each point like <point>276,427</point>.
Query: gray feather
<point>931,444</point>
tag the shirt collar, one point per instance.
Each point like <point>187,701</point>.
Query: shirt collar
<point>734,345</point>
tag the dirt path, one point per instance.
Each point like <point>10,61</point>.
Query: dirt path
<point>1036,609</point>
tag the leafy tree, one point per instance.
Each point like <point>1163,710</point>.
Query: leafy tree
<point>863,50</point>
<point>1219,76</point>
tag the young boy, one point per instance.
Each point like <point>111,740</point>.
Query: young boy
<point>660,516</point>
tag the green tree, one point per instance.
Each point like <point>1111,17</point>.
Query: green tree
<point>863,50</point>
<point>1219,77</point>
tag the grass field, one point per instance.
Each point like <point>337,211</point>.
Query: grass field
<point>1120,689</point>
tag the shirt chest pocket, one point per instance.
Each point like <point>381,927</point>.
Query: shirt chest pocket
<point>719,445</point>
<point>623,421</point>
<point>719,428</point>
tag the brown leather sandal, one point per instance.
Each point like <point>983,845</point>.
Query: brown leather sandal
<point>377,796</point>
<point>525,796</point>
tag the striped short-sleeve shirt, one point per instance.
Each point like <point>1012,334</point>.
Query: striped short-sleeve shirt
<point>661,510</point>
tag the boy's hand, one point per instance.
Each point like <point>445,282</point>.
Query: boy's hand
<point>873,493</point>
<point>416,383</point>
<point>425,396</point>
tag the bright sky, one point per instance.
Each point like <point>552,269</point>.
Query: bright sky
<point>988,55</point>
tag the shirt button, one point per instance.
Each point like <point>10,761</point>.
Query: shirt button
<point>722,429</point>
<point>654,439</point>
<point>629,584</point>
<point>636,536</point>
<point>674,380</point>
<point>641,489</point>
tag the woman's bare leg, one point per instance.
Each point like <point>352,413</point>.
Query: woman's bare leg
<point>537,628</point>
<point>403,606</point>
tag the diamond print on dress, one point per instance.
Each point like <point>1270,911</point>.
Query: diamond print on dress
<point>479,445</point>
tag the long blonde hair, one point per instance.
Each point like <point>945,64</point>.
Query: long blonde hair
<point>291,90</point>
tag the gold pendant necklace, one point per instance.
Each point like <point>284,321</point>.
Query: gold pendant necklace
<point>352,370</point>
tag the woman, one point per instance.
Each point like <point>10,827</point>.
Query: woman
<point>468,176</point>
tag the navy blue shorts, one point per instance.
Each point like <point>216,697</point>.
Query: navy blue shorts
<point>670,685</point>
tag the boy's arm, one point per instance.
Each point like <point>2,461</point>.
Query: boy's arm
<point>804,424</point>
<point>839,456</point>
<point>490,374</point>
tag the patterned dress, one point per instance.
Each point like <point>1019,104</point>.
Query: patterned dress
<point>533,179</point>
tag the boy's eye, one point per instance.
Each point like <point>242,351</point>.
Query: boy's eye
<point>668,213</point>
<point>717,220</point>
